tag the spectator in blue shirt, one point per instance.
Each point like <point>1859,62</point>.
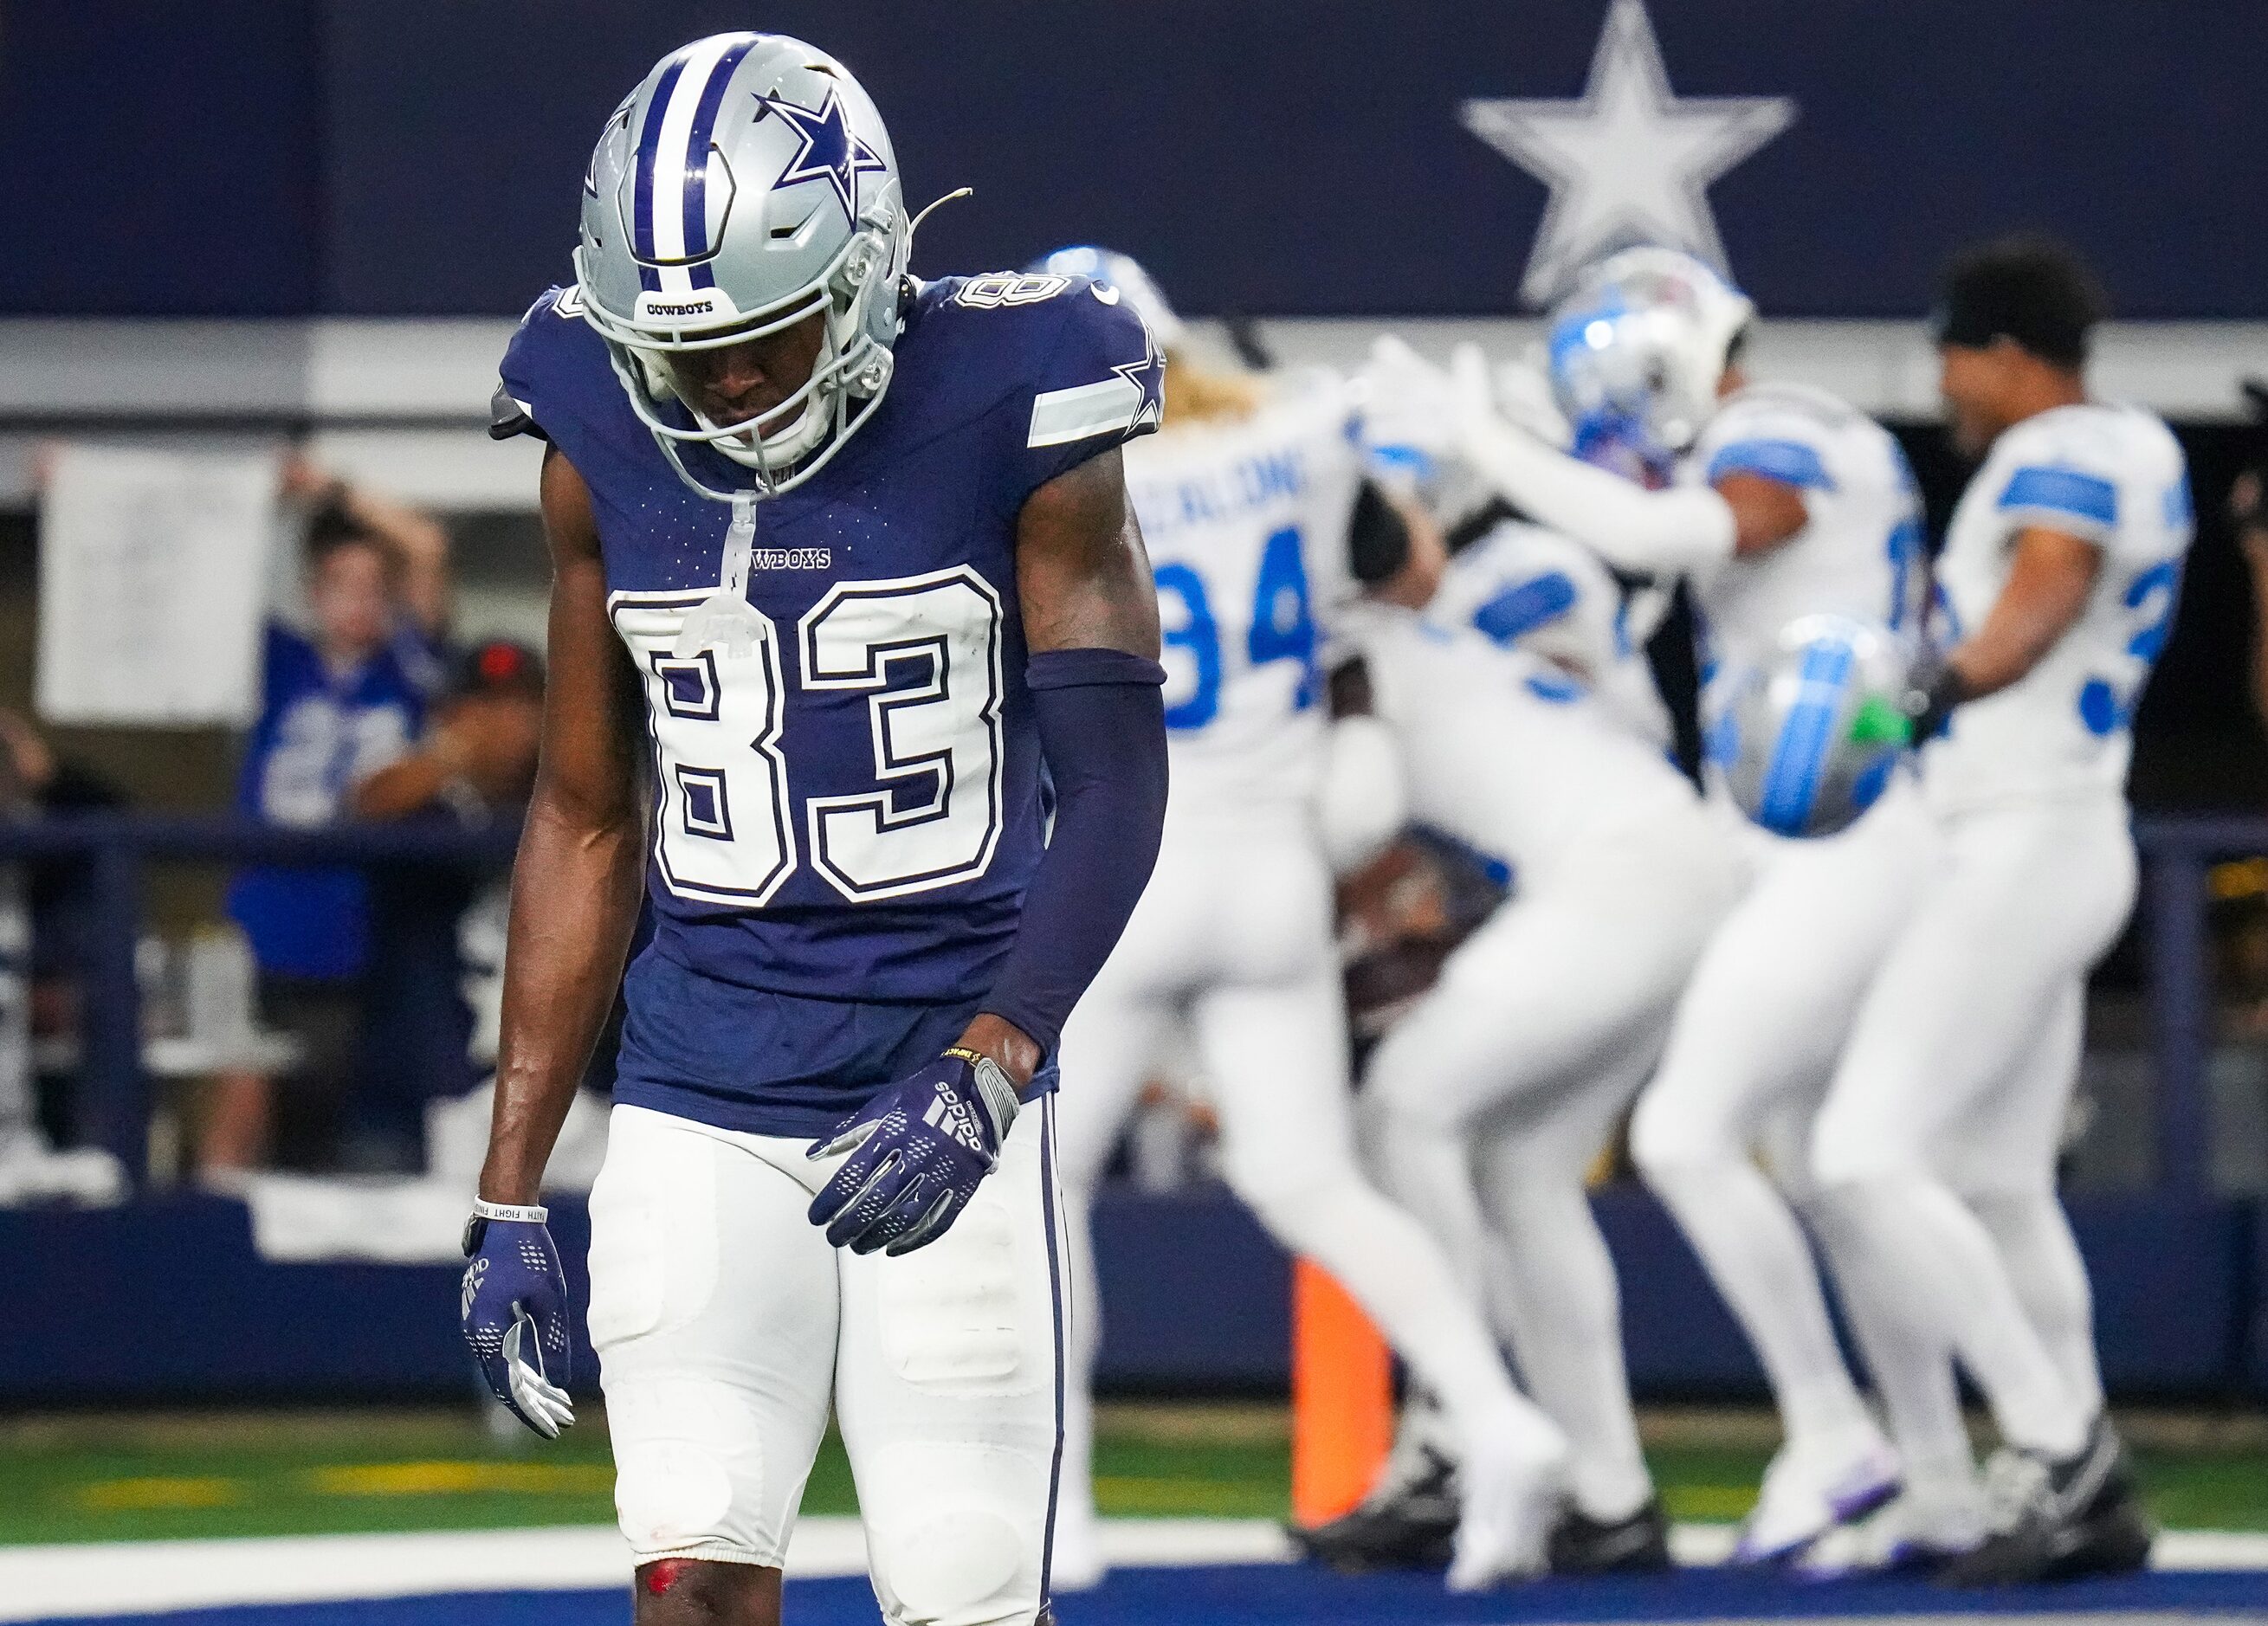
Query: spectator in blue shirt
<point>344,696</point>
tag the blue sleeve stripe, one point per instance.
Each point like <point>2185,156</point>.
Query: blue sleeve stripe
<point>2063,492</point>
<point>1790,462</point>
<point>1523,607</point>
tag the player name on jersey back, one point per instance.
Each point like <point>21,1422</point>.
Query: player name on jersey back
<point>1245,522</point>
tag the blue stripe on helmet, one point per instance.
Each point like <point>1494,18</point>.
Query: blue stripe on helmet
<point>1799,754</point>
<point>697,246</point>
<point>657,110</point>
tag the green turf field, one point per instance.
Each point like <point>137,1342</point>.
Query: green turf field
<point>111,1477</point>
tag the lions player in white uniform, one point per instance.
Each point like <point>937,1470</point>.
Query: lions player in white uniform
<point>1258,525</point>
<point>1519,584</point>
<point>2059,578</point>
<point>1779,503</point>
<point>1515,1065</point>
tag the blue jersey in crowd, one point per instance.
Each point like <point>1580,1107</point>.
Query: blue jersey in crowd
<point>846,818</point>
<point>319,732</point>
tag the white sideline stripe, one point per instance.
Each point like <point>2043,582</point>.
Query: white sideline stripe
<point>1061,416</point>
<point>83,1579</point>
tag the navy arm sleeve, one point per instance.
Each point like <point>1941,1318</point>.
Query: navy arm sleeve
<point>1102,730</point>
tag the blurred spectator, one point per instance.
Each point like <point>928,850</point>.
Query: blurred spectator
<point>2247,510</point>
<point>345,697</point>
<point>477,761</point>
<point>436,973</point>
<point>33,780</point>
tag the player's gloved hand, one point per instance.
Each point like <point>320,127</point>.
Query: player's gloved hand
<point>513,1306</point>
<point>917,1151</point>
<point>1936,690</point>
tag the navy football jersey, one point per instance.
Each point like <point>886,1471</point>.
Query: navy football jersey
<point>850,811</point>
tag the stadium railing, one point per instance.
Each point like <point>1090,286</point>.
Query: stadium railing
<point>119,848</point>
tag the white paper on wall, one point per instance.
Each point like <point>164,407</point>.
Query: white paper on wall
<point>153,584</point>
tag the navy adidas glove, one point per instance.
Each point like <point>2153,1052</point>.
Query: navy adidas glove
<point>916,1152</point>
<point>513,1306</point>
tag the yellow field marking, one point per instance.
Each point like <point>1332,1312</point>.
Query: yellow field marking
<point>1706,1502</point>
<point>456,1478</point>
<point>140,1494</point>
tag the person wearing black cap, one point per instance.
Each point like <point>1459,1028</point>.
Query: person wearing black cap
<point>1937,1146</point>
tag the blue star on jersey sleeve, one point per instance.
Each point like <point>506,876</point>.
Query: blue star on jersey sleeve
<point>1101,386</point>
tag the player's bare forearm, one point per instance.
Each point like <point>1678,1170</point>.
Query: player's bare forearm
<point>575,887</point>
<point>1765,511</point>
<point>1081,570</point>
<point>2050,578</point>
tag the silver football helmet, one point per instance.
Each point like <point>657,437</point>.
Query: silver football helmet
<point>1637,349</point>
<point>746,184</point>
<point>1808,742</point>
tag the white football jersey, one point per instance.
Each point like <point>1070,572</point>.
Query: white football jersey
<point>1501,748</point>
<point>1245,522</point>
<point>2112,475</point>
<point>1522,585</point>
<point>1861,552</point>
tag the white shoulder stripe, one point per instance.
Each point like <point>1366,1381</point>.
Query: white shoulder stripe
<point>673,158</point>
<point>1061,416</point>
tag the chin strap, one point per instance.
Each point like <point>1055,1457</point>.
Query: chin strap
<point>725,620</point>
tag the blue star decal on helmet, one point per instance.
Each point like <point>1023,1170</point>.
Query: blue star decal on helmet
<point>830,151</point>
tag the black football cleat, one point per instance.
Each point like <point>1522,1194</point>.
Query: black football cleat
<point>1408,1522</point>
<point>1638,1545</point>
<point>2059,1520</point>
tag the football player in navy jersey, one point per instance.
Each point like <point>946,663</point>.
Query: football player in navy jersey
<point>843,571</point>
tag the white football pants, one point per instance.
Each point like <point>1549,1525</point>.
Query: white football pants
<point>1234,936</point>
<point>1516,1065</point>
<point>1755,1040</point>
<point>1937,1143</point>
<point>724,1325</point>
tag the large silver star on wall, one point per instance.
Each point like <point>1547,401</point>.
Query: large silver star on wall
<point>1628,161</point>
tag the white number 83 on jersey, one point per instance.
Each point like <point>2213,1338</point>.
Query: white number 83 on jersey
<point>725,832</point>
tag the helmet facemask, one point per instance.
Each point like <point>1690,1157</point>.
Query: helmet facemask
<point>787,443</point>
<point>746,186</point>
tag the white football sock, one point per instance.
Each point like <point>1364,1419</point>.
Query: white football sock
<point>2034,1237</point>
<point>1401,1277</point>
<point>1756,1254</point>
<point>1940,1266</point>
<point>1911,1365</point>
<point>1552,1282</point>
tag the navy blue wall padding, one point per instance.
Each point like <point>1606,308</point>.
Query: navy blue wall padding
<point>167,1300</point>
<point>424,157</point>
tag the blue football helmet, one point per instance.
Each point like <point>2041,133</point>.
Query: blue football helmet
<point>746,184</point>
<point>1637,349</point>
